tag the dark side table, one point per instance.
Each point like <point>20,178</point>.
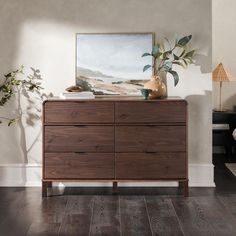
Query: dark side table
<point>224,124</point>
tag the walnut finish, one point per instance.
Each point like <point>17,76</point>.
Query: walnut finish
<point>79,112</point>
<point>115,139</point>
<point>150,138</point>
<point>149,112</point>
<point>79,138</point>
<point>150,165</point>
<point>79,166</point>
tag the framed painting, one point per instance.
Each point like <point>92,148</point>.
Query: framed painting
<point>112,64</point>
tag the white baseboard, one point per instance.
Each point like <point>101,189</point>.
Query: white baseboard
<point>201,175</point>
<point>20,175</point>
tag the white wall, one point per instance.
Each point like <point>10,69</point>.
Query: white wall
<point>224,48</point>
<point>42,34</point>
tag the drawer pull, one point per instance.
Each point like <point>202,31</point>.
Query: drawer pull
<point>79,152</point>
<point>150,152</point>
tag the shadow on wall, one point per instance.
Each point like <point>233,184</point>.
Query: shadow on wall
<point>204,61</point>
<point>23,110</point>
<point>28,119</point>
<point>230,103</point>
<point>199,115</point>
<point>30,114</point>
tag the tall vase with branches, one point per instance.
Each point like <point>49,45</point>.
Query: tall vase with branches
<point>164,59</point>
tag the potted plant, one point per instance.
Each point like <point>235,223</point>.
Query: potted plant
<point>163,60</point>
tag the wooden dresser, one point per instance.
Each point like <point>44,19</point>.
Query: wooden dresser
<point>115,139</point>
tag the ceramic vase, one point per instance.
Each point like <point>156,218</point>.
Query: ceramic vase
<point>157,87</point>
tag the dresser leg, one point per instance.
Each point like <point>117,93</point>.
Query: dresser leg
<point>181,184</point>
<point>184,186</point>
<point>45,186</point>
<point>115,188</point>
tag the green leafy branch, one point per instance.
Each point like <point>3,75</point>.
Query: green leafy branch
<point>163,60</point>
<point>10,121</point>
<point>12,85</point>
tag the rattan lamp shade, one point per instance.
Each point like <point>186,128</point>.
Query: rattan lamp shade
<point>219,74</point>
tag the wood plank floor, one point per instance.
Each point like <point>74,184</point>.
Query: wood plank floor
<point>205,212</point>
<point>134,212</point>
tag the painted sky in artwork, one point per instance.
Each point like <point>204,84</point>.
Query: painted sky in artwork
<point>116,55</point>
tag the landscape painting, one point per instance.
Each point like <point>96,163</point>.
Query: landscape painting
<point>112,64</point>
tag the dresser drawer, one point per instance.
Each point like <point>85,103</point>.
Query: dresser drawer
<point>133,166</point>
<point>79,138</point>
<point>78,112</point>
<point>150,112</point>
<point>79,166</point>
<point>150,138</point>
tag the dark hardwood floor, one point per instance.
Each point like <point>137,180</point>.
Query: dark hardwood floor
<point>135,211</point>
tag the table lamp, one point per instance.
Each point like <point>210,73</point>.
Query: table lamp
<point>219,74</point>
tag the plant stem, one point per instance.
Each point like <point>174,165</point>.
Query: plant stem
<point>173,49</point>
<point>5,118</point>
<point>155,68</point>
<point>160,65</point>
<point>8,119</point>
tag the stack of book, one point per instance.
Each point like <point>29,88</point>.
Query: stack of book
<point>77,95</point>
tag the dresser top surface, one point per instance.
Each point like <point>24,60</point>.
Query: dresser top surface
<point>118,99</point>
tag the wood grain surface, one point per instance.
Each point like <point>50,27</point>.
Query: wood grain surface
<point>79,139</point>
<point>163,218</point>
<point>77,216</point>
<point>134,217</point>
<point>150,138</point>
<point>93,212</point>
<point>79,112</point>
<point>150,165</point>
<point>79,165</point>
<point>146,112</point>
<point>105,220</point>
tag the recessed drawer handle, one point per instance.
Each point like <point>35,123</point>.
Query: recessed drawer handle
<point>79,152</point>
<point>150,152</point>
<point>79,125</point>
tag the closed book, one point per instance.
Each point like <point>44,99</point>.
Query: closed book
<point>77,95</point>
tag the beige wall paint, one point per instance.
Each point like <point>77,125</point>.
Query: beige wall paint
<point>42,34</point>
<point>224,48</point>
